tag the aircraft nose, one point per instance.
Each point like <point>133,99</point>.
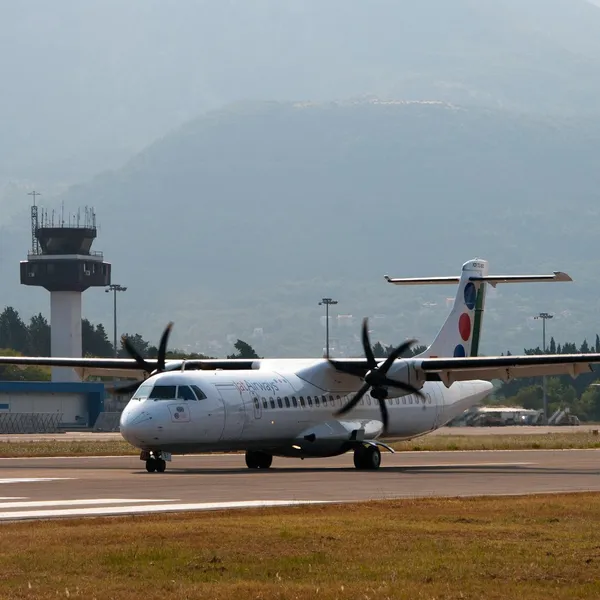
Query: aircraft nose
<point>138,425</point>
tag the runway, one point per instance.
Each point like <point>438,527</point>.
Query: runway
<point>34,488</point>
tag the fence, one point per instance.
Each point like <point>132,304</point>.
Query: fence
<point>107,421</point>
<point>30,422</point>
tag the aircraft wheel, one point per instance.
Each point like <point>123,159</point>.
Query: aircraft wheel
<point>151,465</point>
<point>161,465</point>
<point>258,460</point>
<point>367,458</point>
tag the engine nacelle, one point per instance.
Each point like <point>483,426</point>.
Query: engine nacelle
<point>406,372</point>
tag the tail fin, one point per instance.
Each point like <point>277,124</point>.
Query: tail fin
<point>459,336</point>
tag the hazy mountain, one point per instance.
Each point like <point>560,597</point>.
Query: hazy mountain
<point>245,218</point>
<point>88,84</point>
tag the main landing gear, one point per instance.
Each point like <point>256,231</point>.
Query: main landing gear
<point>367,458</point>
<point>154,461</point>
<point>258,460</point>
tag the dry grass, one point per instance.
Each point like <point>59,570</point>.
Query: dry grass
<point>528,548</point>
<point>447,442</point>
<point>17,449</point>
<point>547,441</point>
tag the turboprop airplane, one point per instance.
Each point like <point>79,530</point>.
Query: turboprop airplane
<point>318,407</point>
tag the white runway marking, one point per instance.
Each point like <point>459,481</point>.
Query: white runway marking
<point>89,502</point>
<point>33,479</point>
<point>146,508</point>
<point>13,498</point>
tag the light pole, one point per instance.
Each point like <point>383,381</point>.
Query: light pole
<point>114,288</point>
<point>544,317</point>
<point>327,302</point>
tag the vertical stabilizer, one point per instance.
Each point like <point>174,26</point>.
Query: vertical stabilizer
<point>459,336</point>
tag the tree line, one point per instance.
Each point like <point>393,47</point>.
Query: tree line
<point>33,339</point>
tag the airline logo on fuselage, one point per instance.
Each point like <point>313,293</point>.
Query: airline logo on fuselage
<point>255,387</point>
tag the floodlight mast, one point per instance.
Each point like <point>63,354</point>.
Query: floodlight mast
<point>544,316</point>
<point>327,302</point>
<point>114,288</point>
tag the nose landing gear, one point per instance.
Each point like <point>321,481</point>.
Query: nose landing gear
<point>258,460</point>
<point>154,461</point>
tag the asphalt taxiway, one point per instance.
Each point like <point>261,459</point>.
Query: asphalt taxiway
<point>32,488</point>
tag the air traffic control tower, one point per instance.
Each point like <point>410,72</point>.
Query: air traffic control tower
<point>61,260</point>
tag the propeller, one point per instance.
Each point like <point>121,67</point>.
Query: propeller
<point>143,363</point>
<point>376,377</point>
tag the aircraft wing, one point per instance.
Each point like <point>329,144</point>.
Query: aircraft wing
<point>507,367</point>
<point>487,368</point>
<point>121,367</point>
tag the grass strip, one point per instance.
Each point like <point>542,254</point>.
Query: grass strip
<point>531,548</point>
<point>583,440</point>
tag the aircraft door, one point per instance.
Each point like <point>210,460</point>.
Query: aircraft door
<point>257,407</point>
<point>438,399</point>
<point>235,411</point>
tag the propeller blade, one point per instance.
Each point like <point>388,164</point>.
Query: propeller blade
<point>354,401</point>
<point>132,351</point>
<point>385,417</point>
<point>162,348</point>
<point>371,362</point>
<point>395,354</point>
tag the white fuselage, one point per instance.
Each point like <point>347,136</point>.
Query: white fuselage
<point>278,411</point>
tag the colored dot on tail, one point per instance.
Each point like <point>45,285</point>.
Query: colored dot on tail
<point>464,326</point>
<point>470,295</point>
<point>459,351</point>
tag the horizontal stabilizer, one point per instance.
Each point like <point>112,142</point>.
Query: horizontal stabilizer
<point>493,280</point>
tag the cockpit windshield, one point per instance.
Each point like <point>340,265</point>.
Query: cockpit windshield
<point>142,392</point>
<point>169,392</point>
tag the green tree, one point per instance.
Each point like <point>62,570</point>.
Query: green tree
<point>589,405</point>
<point>15,373</point>
<point>13,331</point>
<point>39,336</point>
<point>530,397</point>
<point>94,340</point>
<point>244,350</point>
<point>379,351</point>
<point>140,344</point>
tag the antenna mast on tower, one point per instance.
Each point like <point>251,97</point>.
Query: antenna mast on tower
<point>35,246</point>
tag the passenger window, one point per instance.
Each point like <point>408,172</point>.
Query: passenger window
<point>302,401</point>
<point>404,400</point>
<point>338,398</point>
<point>294,401</point>
<point>163,392</point>
<point>279,403</point>
<point>309,400</point>
<point>271,402</point>
<point>324,400</point>
<point>199,393</point>
<point>410,399</point>
<point>317,403</point>
<point>184,392</point>
<point>256,403</point>
<point>264,401</point>
<point>287,402</point>
<point>397,401</point>
<point>331,401</point>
